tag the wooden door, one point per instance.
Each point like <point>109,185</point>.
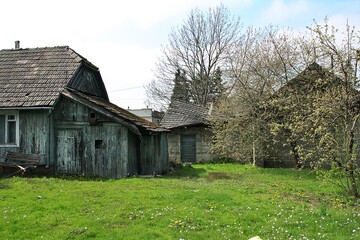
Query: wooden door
<point>68,151</point>
<point>188,148</point>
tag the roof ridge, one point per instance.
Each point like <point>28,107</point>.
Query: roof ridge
<point>35,48</point>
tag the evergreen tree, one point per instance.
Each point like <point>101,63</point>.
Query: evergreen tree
<point>181,89</point>
<point>217,87</point>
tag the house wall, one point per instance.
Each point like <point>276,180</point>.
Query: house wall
<point>104,147</point>
<point>70,142</point>
<point>203,143</point>
<point>35,130</point>
<point>154,156</point>
<point>278,154</point>
<point>90,148</point>
<point>133,154</point>
<point>89,80</point>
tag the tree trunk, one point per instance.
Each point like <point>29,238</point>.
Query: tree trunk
<point>254,153</point>
<point>295,153</point>
<point>351,166</point>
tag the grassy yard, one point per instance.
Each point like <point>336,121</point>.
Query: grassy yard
<point>220,201</point>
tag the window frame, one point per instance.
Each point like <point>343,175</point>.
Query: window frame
<point>6,122</point>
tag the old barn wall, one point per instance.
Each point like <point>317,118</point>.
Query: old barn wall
<point>89,143</point>
<point>153,154</point>
<point>134,154</point>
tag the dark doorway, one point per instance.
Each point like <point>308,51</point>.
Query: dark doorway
<point>188,148</point>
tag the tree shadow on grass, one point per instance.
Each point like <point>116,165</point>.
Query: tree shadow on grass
<point>289,173</point>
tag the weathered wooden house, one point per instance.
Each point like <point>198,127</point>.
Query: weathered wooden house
<point>53,102</point>
<point>189,139</point>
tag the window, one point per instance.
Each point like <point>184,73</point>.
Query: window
<point>9,129</point>
<point>99,144</point>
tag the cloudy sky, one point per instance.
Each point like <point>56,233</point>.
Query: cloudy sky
<point>124,38</point>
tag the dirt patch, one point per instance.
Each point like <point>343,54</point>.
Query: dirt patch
<point>212,176</point>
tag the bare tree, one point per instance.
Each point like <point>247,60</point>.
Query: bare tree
<point>199,49</point>
<point>263,61</point>
<point>335,118</point>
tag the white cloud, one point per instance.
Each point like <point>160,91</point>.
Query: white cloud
<point>340,21</point>
<point>122,38</point>
<point>281,10</point>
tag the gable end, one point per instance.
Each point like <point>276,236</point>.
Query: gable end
<point>87,79</point>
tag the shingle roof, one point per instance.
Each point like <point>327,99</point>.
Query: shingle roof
<point>184,114</point>
<point>34,77</point>
<point>313,77</point>
<point>111,110</point>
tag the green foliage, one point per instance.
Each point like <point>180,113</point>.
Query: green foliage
<point>207,201</point>
<point>238,136</point>
<point>313,115</point>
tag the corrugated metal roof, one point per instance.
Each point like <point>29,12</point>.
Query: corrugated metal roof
<point>34,77</point>
<point>184,114</point>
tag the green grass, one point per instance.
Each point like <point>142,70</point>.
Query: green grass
<point>220,201</point>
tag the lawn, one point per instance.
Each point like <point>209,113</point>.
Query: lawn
<point>211,201</point>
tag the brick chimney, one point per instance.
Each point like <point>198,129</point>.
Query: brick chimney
<point>17,44</point>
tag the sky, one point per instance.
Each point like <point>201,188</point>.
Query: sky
<point>124,38</point>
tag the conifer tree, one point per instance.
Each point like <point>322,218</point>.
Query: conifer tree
<point>181,88</point>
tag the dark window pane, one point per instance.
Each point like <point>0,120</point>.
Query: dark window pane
<point>11,138</point>
<point>11,117</point>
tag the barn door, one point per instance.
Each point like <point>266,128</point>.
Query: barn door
<point>68,151</point>
<point>188,148</point>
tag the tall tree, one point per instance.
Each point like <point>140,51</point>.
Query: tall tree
<point>334,122</point>
<point>319,112</point>
<point>263,60</point>
<point>181,88</point>
<point>199,47</point>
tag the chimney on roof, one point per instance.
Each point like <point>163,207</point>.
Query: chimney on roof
<point>17,44</point>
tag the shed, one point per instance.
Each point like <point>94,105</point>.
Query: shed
<point>189,139</point>
<point>296,96</point>
<point>53,102</point>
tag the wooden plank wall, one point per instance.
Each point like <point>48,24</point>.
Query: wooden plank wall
<point>154,154</point>
<point>102,149</point>
<point>134,166</point>
<point>110,158</point>
<point>34,134</point>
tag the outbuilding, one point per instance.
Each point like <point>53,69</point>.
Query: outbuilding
<point>53,102</point>
<point>190,137</point>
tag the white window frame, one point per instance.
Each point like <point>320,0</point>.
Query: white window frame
<point>7,114</point>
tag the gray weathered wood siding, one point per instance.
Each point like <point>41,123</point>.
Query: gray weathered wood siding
<point>154,156</point>
<point>69,139</point>
<point>35,130</point>
<point>84,148</point>
<point>88,80</point>
<point>162,163</point>
<point>106,151</point>
<point>133,156</point>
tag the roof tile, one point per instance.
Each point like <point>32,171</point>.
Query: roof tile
<point>184,114</point>
<point>43,72</point>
